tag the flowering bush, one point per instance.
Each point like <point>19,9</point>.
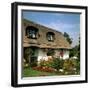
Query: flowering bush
<point>44,66</point>
<point>69,66</point>
<point>55,64</point>
<point>64,67</point>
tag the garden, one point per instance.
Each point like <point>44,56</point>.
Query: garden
<point>52,67</point>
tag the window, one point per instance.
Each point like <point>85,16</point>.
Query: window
<point>50,36</point>
<point>31,32</point>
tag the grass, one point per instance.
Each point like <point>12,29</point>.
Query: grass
<point>29,72</point>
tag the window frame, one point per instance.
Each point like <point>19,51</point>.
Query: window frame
<point>31,29</point>
<point>49,35</point>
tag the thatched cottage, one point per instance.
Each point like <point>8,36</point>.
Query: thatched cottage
<point>39,40</point>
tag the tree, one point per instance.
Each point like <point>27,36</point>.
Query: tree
<point>75,51</point>
<point>66,35</point>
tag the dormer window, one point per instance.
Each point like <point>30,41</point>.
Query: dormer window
<point>31,32</point>
<point>50,36</point>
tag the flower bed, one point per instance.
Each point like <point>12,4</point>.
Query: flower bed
<point>45,69</point>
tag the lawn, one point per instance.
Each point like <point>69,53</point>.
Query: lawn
<point>29,72</point>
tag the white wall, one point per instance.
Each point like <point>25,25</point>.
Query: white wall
<point>66,54</point>
<point>42,55</point>
<point>5,47</point>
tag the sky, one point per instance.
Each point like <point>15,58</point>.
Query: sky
<point>60,21</point>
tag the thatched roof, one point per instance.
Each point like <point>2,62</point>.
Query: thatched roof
<point>41,41</point>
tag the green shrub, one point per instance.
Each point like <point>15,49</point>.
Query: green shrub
<point>57,64</point>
